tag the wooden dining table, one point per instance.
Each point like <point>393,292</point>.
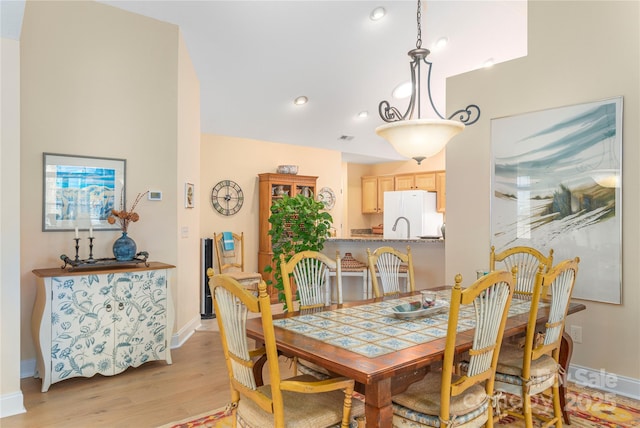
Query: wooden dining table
<point>385,365</point>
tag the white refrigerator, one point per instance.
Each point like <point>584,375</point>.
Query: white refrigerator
<point>411,214</point>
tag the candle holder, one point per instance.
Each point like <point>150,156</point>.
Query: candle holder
<point>77,248</point>
<point>91,259</point>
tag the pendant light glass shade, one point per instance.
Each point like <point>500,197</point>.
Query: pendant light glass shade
<point>419,138</point>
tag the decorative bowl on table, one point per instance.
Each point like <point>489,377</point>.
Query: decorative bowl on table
<point>411,310</point>
<point>287,169</point>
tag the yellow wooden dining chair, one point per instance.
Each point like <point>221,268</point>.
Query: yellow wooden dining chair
<point>443,398</point>
<point>535,368</point>
<point>527,260</point>
<point>389,265</point>
<point>297,401</point>
<point>310,271</point>
<point>231,262</point>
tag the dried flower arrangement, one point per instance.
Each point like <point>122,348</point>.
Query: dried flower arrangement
<point>124,217</point>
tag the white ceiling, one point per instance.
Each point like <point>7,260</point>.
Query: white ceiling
<point>254,57</point>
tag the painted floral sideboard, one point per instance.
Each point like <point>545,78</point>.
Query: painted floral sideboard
<point>101,321</point>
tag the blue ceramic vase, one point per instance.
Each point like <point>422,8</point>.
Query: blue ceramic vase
<point>124,249</point>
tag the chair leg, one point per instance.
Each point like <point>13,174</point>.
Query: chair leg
<point>566,349</point>
<point>489,423</point>
<point>526,410</point>
<point>557,406</point>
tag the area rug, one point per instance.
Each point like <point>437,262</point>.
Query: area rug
<point>588,408</point>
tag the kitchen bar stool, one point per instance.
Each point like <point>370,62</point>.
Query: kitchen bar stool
<point>353,267</point>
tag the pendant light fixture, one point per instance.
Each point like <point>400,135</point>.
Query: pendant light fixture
<point>419,138</point>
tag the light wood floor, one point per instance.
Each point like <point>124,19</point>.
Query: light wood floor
<point>148,396</point>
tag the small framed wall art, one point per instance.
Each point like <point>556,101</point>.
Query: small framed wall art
<point>189,195</point>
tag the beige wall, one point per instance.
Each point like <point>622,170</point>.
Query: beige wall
<point>187,231</point>
<point>578,52</point>
<point>241,160</point>
<point>10,395</point>
<point>357,220</point>
<point>90,90</point>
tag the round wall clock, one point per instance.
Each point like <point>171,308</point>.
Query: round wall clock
<point>327,197</point>
<point>227,197</point>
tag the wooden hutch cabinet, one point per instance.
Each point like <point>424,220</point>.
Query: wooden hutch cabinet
<point>272,187</point>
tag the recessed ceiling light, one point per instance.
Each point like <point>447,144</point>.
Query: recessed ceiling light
<point>440,43</point>
<point>401,91</point>
<point>363,114</point>
<point>301,100</point>
<point>488,63</point>
<point>377,13</point>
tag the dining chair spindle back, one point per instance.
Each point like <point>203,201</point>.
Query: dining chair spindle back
<point>535,368</point>
<point>444,398</point>
<point>310,271</point>
<point>389,265</point>
<point>301,400</point>
<point>527,260</point>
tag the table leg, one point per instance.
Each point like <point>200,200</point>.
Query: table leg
<point>566,349</point>
<point>378,409</point>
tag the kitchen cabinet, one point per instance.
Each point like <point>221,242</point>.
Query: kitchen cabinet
<point>101,321</point>
<point>441,198</point>
<point>422,181</point>
<point>373,189</point>
<point>272,187</point>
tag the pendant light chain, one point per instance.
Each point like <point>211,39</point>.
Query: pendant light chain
<point>419,18</point>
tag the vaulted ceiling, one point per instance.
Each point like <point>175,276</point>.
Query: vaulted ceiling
<point>254,57</point>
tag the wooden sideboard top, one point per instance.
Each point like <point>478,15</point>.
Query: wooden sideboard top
<point>49,272</point>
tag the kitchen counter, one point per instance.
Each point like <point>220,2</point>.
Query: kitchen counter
<point>428,258</point>
<point>379,238</point>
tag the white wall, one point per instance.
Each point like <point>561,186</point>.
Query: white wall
<point>11,401</point>
<point>90,90</point>
<point>579,51</point>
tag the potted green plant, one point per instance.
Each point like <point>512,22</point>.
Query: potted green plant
<point>297,224</point>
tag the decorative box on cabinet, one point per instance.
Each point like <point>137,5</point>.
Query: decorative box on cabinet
<point>101,321</point>
<point>272,187</point>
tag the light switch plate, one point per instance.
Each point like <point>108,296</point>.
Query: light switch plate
<point>155,195</point>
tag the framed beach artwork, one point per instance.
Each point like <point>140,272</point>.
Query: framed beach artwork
<point>556,184</point>
<point>80,191</point>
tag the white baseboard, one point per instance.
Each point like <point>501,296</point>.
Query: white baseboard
<point>180,337</point>
<point>11,404</point>
<point>605,381</point>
